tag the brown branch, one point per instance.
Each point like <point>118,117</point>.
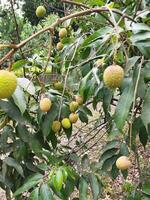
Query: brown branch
<point>58,22</point>
<point>75,3</point>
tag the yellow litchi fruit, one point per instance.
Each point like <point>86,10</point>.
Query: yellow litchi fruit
<point>123,163</point>
<point>73,106</point>
<point>73,117</point>
<point>56,126</point>
<point>8,84</point>
<point>113,76</point>
<point>79,99</point>
<point>63,33</point>
<point>66,123</point>
<point>45,104</point>
<point>59,46</point>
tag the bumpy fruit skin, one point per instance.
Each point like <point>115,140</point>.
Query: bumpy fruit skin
<point>79,99</point>
<point>73,106</point>
<point>113,76</point>
<point>56,126</point>
<point>40,11</point>
<point>99,62</point>
<point>63,33</point>
<point>59,46</point>
<point>73,117</point>
<point>45,104</point>
<point>58,85</point>
<point>123,163</point>
<point>8,84</point>
<point>66,123</point>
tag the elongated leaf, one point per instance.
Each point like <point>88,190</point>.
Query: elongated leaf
<point>146,110</point>
<point>19,99</point>
<point>13,163</point>
<point>83,189</point>
<point>13,112</point>
<point>58,180</point>
<point>112,144</point>
<point>30,183</point>
<point>27,85</point>
<point>45,193</point>
<point>19,64</point>
<point>34,195</point>
<point>123,107</point>
<point>94,186</point>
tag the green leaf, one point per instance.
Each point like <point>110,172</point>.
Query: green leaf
<point>131,62</point>
<point>68,132</point>
<point>83,116</point>
<point>112,144</point>
<point>108,154</point>
<point>34,195</point>
<point>145,115</point>
<point>30,183</point>
<point>27,85</point>
<point>143,135</point>
<point>13,112</point>
<point>83,189</point>
<point>48,120</point>
<point>123,107</point>
<point>109,163</point>
<point>13,163</point>
<point>45,193</point>
<point>24,135</point>
<point>146,188</point>
<point>19,64</point>
<point>58,180</point>
<point>19,99</point>
<point>94,186</point>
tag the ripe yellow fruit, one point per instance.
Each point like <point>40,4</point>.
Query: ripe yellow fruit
<point>123,163</point>
<point>79,99</point>
<point>73,106</point>
<point>113,76</point>
<point>73,117</point>
<point>66,123</point>
<point>58,85</point>
<point>56,126</point>
<point>8,84</point>
<point>59,46</point>
<point>45,104</point>
<point>40,11</point>
<point>63,33</point>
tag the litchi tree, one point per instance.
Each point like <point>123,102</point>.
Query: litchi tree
<point>96,57</point>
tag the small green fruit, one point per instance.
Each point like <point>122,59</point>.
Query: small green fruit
<point>66,123</point>
<point>56,126</point>
<point>8,84</point>
<point>58,85</point>
<point>73,106</point>
<point>40,11</point>
<point>113,76</point>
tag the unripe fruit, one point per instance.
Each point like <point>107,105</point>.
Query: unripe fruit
<point>56,126</point>
<point>63,33</point>
<point>99,62</point>
<point>66,123</point>
<point>45,104</point>
<point>59,46</point>
<point>40,11</point>
<point>8,84</point>
<point>79,99</point>
<point>113,76</point>
<point>73,117</point>
<point>73,106</point>
<point>123,163</point>
<point>58,85</point>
